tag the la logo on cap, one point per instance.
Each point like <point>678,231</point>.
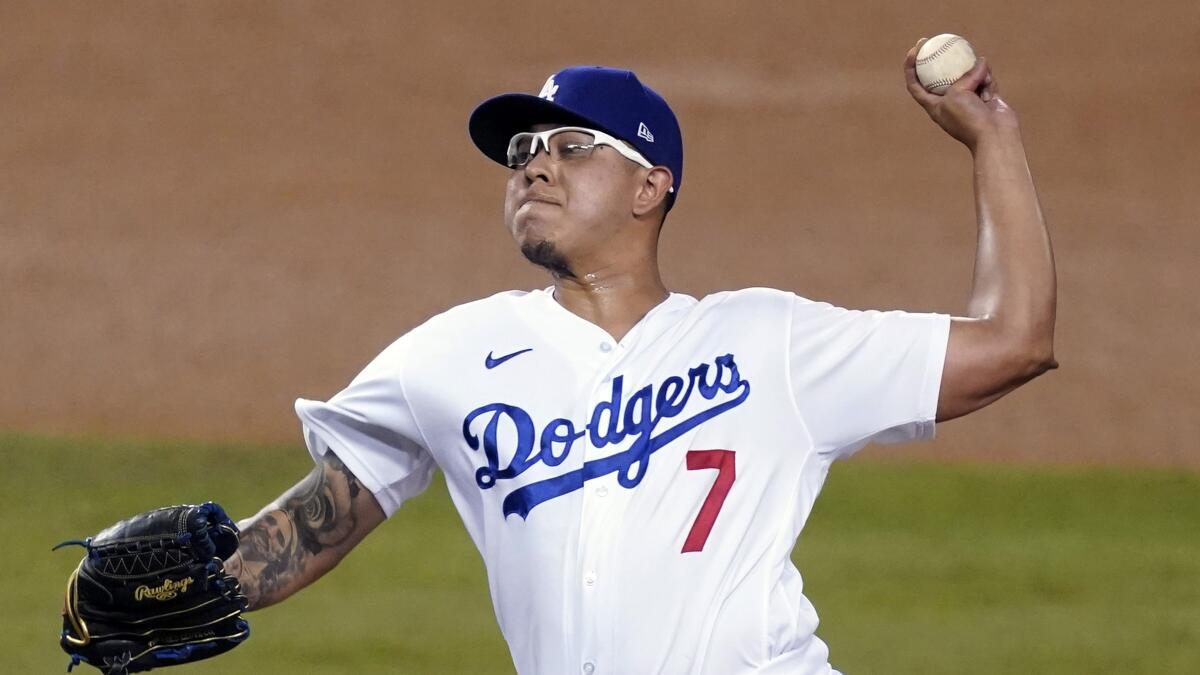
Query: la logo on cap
<point>549,89</point>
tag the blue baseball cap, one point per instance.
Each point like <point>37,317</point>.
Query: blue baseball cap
<point>606,99</point>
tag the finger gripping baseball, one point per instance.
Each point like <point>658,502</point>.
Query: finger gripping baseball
<point>152,591</point>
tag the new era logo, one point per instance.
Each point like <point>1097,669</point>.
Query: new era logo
<point>549,89</point>
<point>644,132</point>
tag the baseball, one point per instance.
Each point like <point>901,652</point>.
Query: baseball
<point>942,60</point>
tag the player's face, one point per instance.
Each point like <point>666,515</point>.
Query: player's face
<point>571,205</point>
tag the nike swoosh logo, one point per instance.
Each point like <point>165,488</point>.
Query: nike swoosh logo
<point>492,362</point>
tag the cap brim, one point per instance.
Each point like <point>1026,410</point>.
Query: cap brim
<point>494,121</point>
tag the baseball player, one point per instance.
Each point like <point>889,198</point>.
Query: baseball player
<point>634,464</point>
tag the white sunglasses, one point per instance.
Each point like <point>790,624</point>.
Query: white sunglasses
<point>568,143</point>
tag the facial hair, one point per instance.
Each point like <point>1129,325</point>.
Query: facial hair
<point>545,255</point>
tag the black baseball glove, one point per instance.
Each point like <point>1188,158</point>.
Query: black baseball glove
<point>152,591</point>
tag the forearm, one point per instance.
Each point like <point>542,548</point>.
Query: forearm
<point>1014,288</point>
<point>271,563</point>
<point>302,535</point>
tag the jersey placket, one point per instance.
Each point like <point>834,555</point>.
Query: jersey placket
<point>597,528</point>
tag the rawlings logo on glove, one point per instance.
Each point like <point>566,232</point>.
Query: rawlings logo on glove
<point>167,591</point>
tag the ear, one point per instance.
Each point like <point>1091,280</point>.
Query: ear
<point>652,191</point>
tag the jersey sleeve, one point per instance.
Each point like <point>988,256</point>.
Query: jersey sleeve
<point>862,376</point>
<point>371,428</point>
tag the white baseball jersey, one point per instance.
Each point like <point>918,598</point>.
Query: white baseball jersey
<point>636,501</point>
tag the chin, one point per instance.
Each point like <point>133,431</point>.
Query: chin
<point>530,229</point>
<point>546,255</point>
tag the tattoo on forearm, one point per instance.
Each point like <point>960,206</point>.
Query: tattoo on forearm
<point>277,547</point>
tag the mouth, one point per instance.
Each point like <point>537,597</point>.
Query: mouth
<point>535,198</point>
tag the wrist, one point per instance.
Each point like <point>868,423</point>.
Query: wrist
<point>997,136</point>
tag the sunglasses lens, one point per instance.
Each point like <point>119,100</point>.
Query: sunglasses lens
<point>566,145</point>
<point>519,150</point>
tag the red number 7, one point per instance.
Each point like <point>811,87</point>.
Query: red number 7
<point>722,461</point>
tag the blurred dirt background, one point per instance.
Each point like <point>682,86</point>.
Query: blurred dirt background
<point>209,209</point>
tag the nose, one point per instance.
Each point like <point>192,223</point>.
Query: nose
<point>539,167</point>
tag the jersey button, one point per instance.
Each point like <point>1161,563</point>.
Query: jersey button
<point>589,668</point>
<point>606,347</point>
<point>601,491</point>
<point>590,579</point>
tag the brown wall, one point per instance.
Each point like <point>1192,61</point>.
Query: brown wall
<point>210,208</point>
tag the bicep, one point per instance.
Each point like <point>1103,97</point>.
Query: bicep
<point>331,509</point>
<point>983,363</point>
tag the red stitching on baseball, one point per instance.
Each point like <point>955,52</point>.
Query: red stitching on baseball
<point>940,50</point>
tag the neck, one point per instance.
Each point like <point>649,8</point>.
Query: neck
<point>612,296</point>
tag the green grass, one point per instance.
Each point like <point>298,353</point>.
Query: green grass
<point>914,568</point>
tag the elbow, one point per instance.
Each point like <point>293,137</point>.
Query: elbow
<point>1026,350</point>
<point>1033,359</point>
<point>1042,365</point>
<point>1022,353</point>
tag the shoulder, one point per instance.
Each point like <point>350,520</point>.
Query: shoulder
<point>451,328</point>
<point>749,302</point>
<point>499,305</point>
<point>803,314</point>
